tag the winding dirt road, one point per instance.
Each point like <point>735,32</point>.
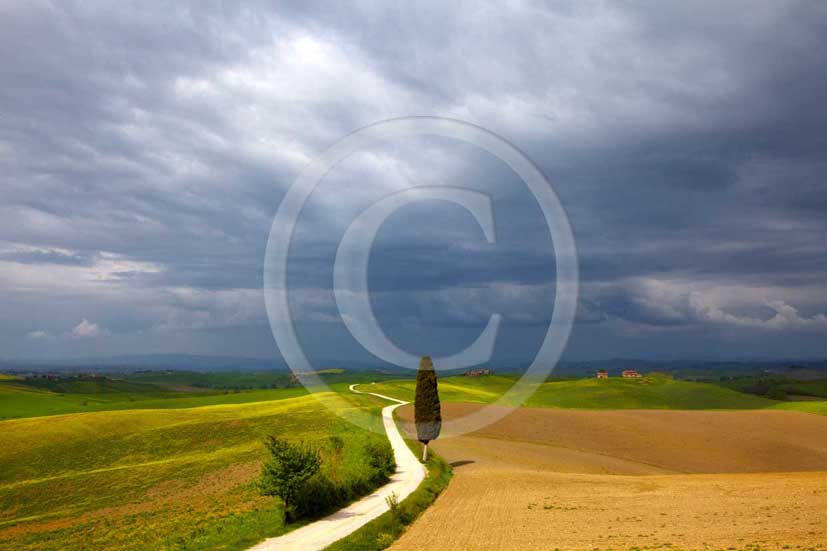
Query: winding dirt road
<point>318,535</point>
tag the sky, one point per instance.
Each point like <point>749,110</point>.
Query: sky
<point>145,149</point>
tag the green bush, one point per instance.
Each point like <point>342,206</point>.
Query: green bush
<point>315,481</point>
<point>319,496</point>
<point>381,459</point>
<point>288,470</point>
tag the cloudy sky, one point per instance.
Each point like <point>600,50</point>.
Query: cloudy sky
<point>145,148</point>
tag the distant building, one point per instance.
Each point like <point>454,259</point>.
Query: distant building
<point>478,372</point>
<point>631,374</point>
<point>602,374</point>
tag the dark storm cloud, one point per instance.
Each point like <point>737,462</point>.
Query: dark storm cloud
<point>144,150</point>
<point>36,256</point>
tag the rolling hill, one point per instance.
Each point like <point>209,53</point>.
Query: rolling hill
<point>650,392</point>
<point>19,399</point>
<point>161,478</point>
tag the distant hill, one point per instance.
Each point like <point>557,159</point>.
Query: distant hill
<point>695,370</point>
<point>651,392</point>
<point>184,362</point>
<point>148,361</point>
<point>700,370</point>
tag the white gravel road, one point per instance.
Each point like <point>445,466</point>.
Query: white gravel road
<point>318,535</point>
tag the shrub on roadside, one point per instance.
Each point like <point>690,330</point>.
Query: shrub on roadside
<point>382,461</point>
<point>315,481</point>
<point>288,470</point>
<point>318,496</point>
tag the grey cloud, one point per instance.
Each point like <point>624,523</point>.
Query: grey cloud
<point>681,302</point>
<point>47,256</point>
<point>685,141</point>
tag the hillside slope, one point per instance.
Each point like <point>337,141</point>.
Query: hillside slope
<point>19,399</point>
<point>651,392</point>
<point>582,480</point>
<point>159,479</point>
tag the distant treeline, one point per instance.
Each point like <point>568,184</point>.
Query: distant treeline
<point>228,380</point>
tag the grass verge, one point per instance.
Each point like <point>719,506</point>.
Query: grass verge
<point>381,532</point>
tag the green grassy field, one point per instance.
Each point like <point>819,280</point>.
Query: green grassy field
<point>651,392</point>
<point>477,390</point>
<point>19,400</point>
<point>34,397</point>
<point>160,478</point>
<point>818,407</point>
<point>156,463</point>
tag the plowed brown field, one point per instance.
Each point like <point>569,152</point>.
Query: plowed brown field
<point>550,479</point>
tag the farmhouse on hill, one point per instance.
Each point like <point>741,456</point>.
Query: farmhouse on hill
<point>602,374</point>
<point>478,372</point>
<point>631,374</point>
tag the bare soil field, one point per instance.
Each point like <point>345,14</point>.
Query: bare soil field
<point>624,480</point>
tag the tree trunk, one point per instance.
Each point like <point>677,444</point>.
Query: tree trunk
<point>425,452</point>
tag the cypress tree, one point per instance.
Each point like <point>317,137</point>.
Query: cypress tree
<point>427,412</point>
